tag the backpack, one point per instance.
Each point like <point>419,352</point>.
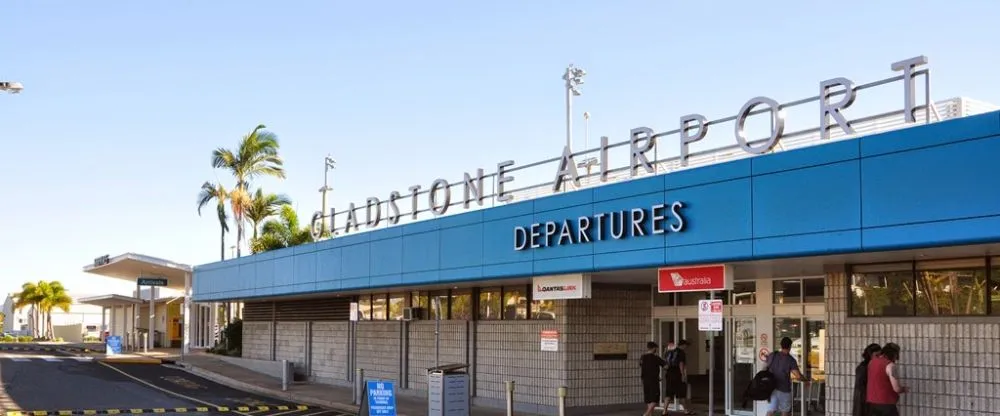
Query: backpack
<point>761,387</point>
<point>671,358</point>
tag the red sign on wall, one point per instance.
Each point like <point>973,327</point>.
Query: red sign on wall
<point>695,278</point>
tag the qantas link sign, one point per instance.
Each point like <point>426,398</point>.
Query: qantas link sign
<point>695,278</point>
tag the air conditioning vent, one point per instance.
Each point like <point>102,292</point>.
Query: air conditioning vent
<point>407,314</point>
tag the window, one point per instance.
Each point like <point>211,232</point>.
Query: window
<point>435,297</point>
<point>995,286</point>
<point>379,305</point>
<point>364,307</point>
<point>744,293</point>
<point>461,304</point>
<point>515,303</point>
<point>951,288</point>
<point>663,299</point>
<point>421,304</point>
<point>397,302</point>
<point>489,304</point>
<point>882,290</point>
<point>544,310</point>
<point>814,290</point>
<point>787,291</point>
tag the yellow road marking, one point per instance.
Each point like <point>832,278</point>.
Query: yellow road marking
<point>173,393</point>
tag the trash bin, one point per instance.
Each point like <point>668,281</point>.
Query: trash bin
<point>448,390</point>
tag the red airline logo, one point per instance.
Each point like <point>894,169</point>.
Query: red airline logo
<point>692,279</point>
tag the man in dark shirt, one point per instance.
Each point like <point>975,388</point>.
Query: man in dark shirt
<point>650,364</point>
<point>676,379</point>
<point>783,366</point>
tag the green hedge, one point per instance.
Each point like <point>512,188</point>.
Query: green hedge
<point>11,338</point>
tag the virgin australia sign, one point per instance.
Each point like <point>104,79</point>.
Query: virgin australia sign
<point>438,197</point>
<point>614,225</point>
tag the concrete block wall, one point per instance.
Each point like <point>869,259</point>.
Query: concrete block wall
<point>952,365</point>
<point>618,314</point>
<point>257,340</point>
<point>421,356</point>
<point>378,349</point>
<point>290,344</point>
<point>329,352</point>
<point>511,350</point>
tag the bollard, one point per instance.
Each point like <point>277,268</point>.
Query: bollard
<point>359,383</point>
<point>562,401</point>
<point>510,397</point>
<point>284,375</point>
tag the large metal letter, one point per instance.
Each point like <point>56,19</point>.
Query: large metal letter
<point>567,166</point>
<point>503,178</point>
<point>777,125</point>
<point>909,66</point>
<point>373,202</point>
<point>315,230</point>
<point>432,196</point>
<point>474,186</point>
<point>520,238</point>
<point>826,109</point>
<point>639,152</point>
<point>394,208</point>
<point>352,218</point>
<point>413,192</point>
<point>687,138</point>
<point>605,168</point>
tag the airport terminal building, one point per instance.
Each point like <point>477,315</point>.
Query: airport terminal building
<point>871,229</point>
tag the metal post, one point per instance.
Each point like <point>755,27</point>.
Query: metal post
<point>437,331</point>
<point>284,375</point>
<point>359,383</point>
<point>569,112</point>
<point>510,397</point>
<point>562,401</point>
<point>711,365</point>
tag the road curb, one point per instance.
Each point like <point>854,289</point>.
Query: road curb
<point>239,385</point>
<point>4,347</point>
<point>131,411</point>
<point>129,360</point>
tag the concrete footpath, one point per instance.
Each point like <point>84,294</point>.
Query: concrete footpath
<point>333,397</point>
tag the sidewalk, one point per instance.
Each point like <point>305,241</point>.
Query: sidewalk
<point>333,397</point>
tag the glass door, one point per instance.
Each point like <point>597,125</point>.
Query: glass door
<point>741,364</point>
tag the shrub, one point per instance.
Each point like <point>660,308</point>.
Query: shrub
<point>25,338</point>
<point>8,338</point>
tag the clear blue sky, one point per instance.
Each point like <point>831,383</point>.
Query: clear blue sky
<point>124,100</point>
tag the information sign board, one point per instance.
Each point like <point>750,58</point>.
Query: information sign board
<point>381,398</point>
<point>710,315</point>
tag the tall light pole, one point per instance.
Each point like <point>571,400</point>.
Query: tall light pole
<point>12,87</point>
<point>330,163</point>
<point>574,78</point>
<point>589,162</point>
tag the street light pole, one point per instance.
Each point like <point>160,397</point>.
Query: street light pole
<point>574,78</point>
<point>330,163</point>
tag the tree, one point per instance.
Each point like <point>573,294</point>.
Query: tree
<point>256,155</point>
<point>284,231</point>
<point>263,206</point>
<point>54,296</point>
<point>30,296</point>
<point>3,318</point>
<point>216,192</point>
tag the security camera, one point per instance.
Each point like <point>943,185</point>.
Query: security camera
<point>12,87</point>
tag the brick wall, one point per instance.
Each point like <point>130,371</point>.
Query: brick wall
<point>421,356</point>
<point>952,365</point>
<point>329,352</point>
<point>511,350</point>
<point>290,344</point>
<point>257,340</point>
<point>619,314</point>
<point>378,349</point>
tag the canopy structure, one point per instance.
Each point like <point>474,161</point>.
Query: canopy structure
<point>145,270</point>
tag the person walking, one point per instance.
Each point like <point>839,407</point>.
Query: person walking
<point>676,378</point>
<point>860,407</point>
<point>884,387</point>
<point>783,366</point>
<point>650,365</point>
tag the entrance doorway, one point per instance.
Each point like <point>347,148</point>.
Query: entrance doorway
<point>742,356</point>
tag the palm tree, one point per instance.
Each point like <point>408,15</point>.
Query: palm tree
<point>217,192</point>
<point>263,206</point>
<point>284,231</point>
<point>30,296</point>
<point>54,296</point>
<point>256,155</point>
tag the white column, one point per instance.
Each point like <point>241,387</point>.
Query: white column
<point>152,317</point>
<point>104,320</point>
<point>186,332</point>
<point>213,318</point>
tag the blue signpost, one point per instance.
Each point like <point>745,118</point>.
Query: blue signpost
<point>113,345</point>
<point>381,398</point>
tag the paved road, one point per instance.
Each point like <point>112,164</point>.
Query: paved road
<point>53,382</point>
